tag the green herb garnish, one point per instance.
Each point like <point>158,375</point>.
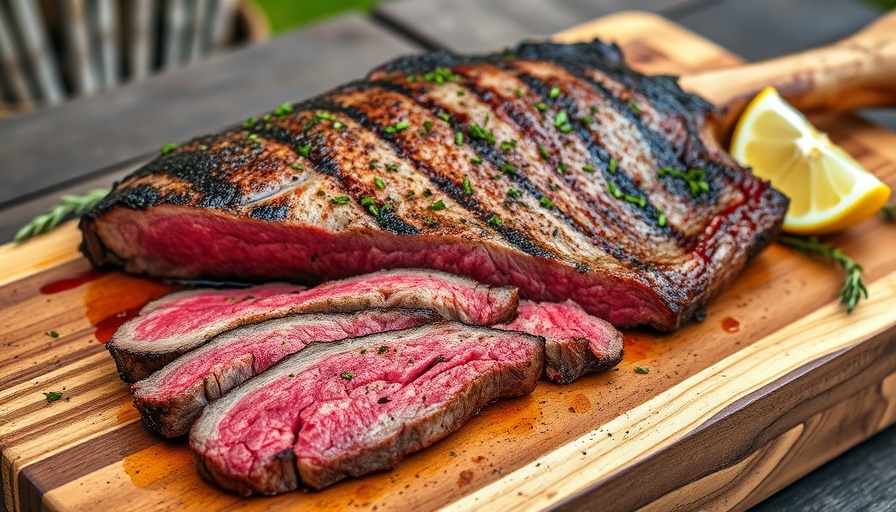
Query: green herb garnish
<point>478,132</point>
<point>507,145</point>
<point>612,165</point>
<point>70,205</point>
<point>696,178</point>
<point>437,205</point>
<point>53,334</point>
<point>459,138</point>
<point>370,203</point>
<point>496,221</point>
<point>340,200</point>
<point>853,288</point>
<point>541,106</point>
<point>283,109</point>
<point>382,350</point>
<point>642,369</point>
<point>379,183</point>
<point>168,148</point>
<point>555,93</point>
<point>347,375</point>
<point>52,396</point>
<point>514,193</point>
<point>544,152</point>
<point>635,107</point>
<point>404,124</point>
<point>588,168</point>
<point>476,159</point>
<point>304,150</point>
<point>468,186</point>
<point>546,203</point>
<point>661,219</point>
<point>444,116</point>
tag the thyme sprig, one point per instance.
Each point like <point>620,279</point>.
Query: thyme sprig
<point>70,205</point>
<point>853,288</point>
<point>889,211</point>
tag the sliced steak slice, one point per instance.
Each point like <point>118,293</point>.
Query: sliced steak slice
<point>152,340</point>
<point>576,343</point>
<point>350,407</point>
<point>171,399</point>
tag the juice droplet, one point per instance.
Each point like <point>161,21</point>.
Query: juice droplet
<point>71,282</point>
<point>730,324</point>
<point>106,327</point>
<point>112,301</point>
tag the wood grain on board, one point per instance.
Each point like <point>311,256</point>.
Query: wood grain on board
<point>775,381</point>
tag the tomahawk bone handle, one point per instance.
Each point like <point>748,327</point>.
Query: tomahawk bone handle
<point>856,72</point>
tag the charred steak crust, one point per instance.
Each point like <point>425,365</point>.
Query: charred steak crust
<point>170,400</point>
<point>537,167</point>
<point>181,322</point>
<point>309,420</point>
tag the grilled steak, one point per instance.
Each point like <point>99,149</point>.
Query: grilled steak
<point>355,406</point>
<point>553,168</point>
<point>187,320</point>
<point>576,343</point>
<point>171,399</point>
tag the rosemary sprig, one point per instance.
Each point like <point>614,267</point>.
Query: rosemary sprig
<point>70,205</point>
<point>889,211</point>
<point>853,288</point>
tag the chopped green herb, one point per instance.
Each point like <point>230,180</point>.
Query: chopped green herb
<point>546,203</point>
<point>430,222</point>
<point>411,78</point>
<point>427,192</point>
<point>612,166</point>
<point>340,200</point>
<point>585,120</point>
<point>292,375</point>
<point>515,193</point>
<point>640,201</point>
<point>507,168</point>
<point>427,126</point>
<point>496,221</point>
<point>266,118</point>
<point>382,350</point>
<point>283,109</point>
<point>410,196</point>
<point>635,107</point>
<point>437,205</point>
<point>338,125</point>
<point>347,375</point>
<point>451,453</point>
<point>297,166</point>
<point>468,187</point>
<point>478,132</point>
<point>594,109</point>
<point>444,116</point>
<point>555,93</point>
<point>52,396</point>
<point>612,188</point>
<point>391,167</point>
<point>588,168</point>
<point>541,106</point>
<point>461,92</point>
<point>168,148</point>
<point>441,75</point>
<point>561,168</point>
<point>544,152</point>
<point>561,119</point>
<point>304,150</point>
<point>404,124</point>
<point>373,164</point>
<point>459,138</point>
<point>378,182</point>
<point>661,219</point>
<point>507,145</point>
<point>53,334</point>
<point>476,159</point>
<point>253,139</point>
<point>642,369</point>
<point>518,93</point>
<point>249,122</point>
<point>370,203</point>
<point>695,178</point>
<point>363,351</point>
<point>566,128</point>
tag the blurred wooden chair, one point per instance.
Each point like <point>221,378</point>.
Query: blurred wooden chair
<point>54,49</point>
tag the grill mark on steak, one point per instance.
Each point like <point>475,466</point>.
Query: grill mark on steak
<point>320,416</point>
<point>170,400</point>
<point>574,190</point>
<point>317,134</point>
<point>445,184</point>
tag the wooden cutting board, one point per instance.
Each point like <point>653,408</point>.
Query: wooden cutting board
<point>774,382</point>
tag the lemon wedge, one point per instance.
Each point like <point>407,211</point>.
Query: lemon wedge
<point>828,189</point>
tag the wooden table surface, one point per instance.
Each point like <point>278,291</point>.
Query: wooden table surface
<point>90,142</point>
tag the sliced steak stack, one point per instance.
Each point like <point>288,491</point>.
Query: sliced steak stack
<point>576,343</point>
<point>350,407</point>
<point>182,322</point>
<point>171,399</point>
